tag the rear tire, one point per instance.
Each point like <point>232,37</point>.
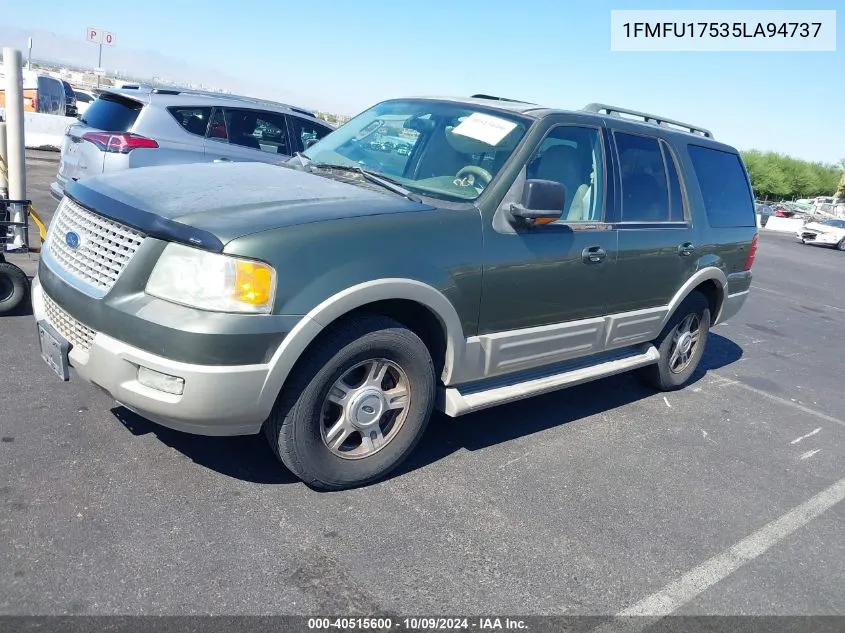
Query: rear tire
<point>342,420</point>
<point>681,345</point>
<point>13,287</point>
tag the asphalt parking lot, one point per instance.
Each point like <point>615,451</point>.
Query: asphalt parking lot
<point>723,498</point>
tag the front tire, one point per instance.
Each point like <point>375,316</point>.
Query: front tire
<point>841,245</point>
<point>14,286</point>
<point>355,406</point>
<point>681,344</point>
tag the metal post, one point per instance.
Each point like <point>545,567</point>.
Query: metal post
<point>15,144</point>
<point>29,56</point>
<point>4,156</point>
<point>99,63</point>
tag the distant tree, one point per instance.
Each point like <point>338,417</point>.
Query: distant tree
<point>777,176</point>
<point>840,190</point>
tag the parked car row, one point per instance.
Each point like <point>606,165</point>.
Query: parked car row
<point>49,95</point>
<point>779,209</point>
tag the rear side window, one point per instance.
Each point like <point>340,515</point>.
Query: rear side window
<point>727,195</point>
<point>112,113</point>
<point>192,120</point>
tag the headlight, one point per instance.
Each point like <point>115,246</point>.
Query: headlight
<point>210,281</point>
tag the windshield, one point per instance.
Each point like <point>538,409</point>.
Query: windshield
<point>444,150</point>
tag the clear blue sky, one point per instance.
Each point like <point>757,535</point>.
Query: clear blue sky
<point>348,55</point>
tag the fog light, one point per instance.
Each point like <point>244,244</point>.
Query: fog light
<point>161,382</point>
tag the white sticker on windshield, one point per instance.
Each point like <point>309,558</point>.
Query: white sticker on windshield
<point>485,128</point>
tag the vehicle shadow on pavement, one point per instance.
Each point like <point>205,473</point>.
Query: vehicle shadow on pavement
<point>250,459</point>
<point>246,457</point>
<point>508,422</point>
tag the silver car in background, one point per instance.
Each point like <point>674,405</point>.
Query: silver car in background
<point>142,127</point>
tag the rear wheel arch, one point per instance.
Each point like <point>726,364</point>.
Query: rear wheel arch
<point>711,282</point>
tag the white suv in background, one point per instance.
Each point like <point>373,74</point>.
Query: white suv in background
<point>142,127</point>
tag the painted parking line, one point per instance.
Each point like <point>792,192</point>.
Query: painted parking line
<point>721,381</point>
<point>681,591</point>
<point>793,297</point>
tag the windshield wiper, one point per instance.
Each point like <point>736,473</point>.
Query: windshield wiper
<point>387,183</point>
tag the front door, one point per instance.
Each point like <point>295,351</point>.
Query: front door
<point>538,281</point>
<point>240,134</point>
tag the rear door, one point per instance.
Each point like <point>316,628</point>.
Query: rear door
<point>244,134</point>
<point>657,253</point>
<point>109,113</point>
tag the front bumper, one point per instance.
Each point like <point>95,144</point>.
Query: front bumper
<point>216,400</point>
<point>814,237</point>
<point>57,191</point>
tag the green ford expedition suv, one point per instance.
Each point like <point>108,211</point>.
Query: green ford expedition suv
<point>507,250</point>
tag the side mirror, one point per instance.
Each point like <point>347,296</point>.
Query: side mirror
<point>309,142</point>
<point>542,202</point>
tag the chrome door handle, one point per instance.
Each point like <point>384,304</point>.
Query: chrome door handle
<point>686,249</point>
<point>593,254</point>
<point>222,159</point>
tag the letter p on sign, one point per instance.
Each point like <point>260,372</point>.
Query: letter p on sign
<point>94,35</point>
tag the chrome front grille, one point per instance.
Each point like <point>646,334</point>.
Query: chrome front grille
<point>76,333</point>
<point>102,249</point>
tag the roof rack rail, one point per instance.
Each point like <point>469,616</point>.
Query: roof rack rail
<point>603,108</point>
<point>230,95</point>
<point>491,97</point>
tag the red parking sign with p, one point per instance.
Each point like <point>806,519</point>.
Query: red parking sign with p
<point>99,36</point>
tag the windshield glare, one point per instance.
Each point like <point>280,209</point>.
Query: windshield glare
<point>443,150</point>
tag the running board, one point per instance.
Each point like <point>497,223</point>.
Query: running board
<point>454,403</point>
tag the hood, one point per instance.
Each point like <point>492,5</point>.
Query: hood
<point>822,228</point>
<point>210,204</point>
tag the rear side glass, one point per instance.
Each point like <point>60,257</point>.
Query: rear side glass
<point>193,120</point>
<point>676,198</point>
<point>728,200</point>
<point>112,113</point>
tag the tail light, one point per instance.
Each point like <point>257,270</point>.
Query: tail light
<point>119,143</point>
<point>752,253</point>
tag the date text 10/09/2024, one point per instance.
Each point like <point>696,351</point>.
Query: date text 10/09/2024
<point>721,29</point>
<point>417,624</point>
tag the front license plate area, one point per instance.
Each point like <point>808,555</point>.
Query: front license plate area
<point>54,350</point>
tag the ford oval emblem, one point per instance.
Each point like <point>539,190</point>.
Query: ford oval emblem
<point>72,239</point>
